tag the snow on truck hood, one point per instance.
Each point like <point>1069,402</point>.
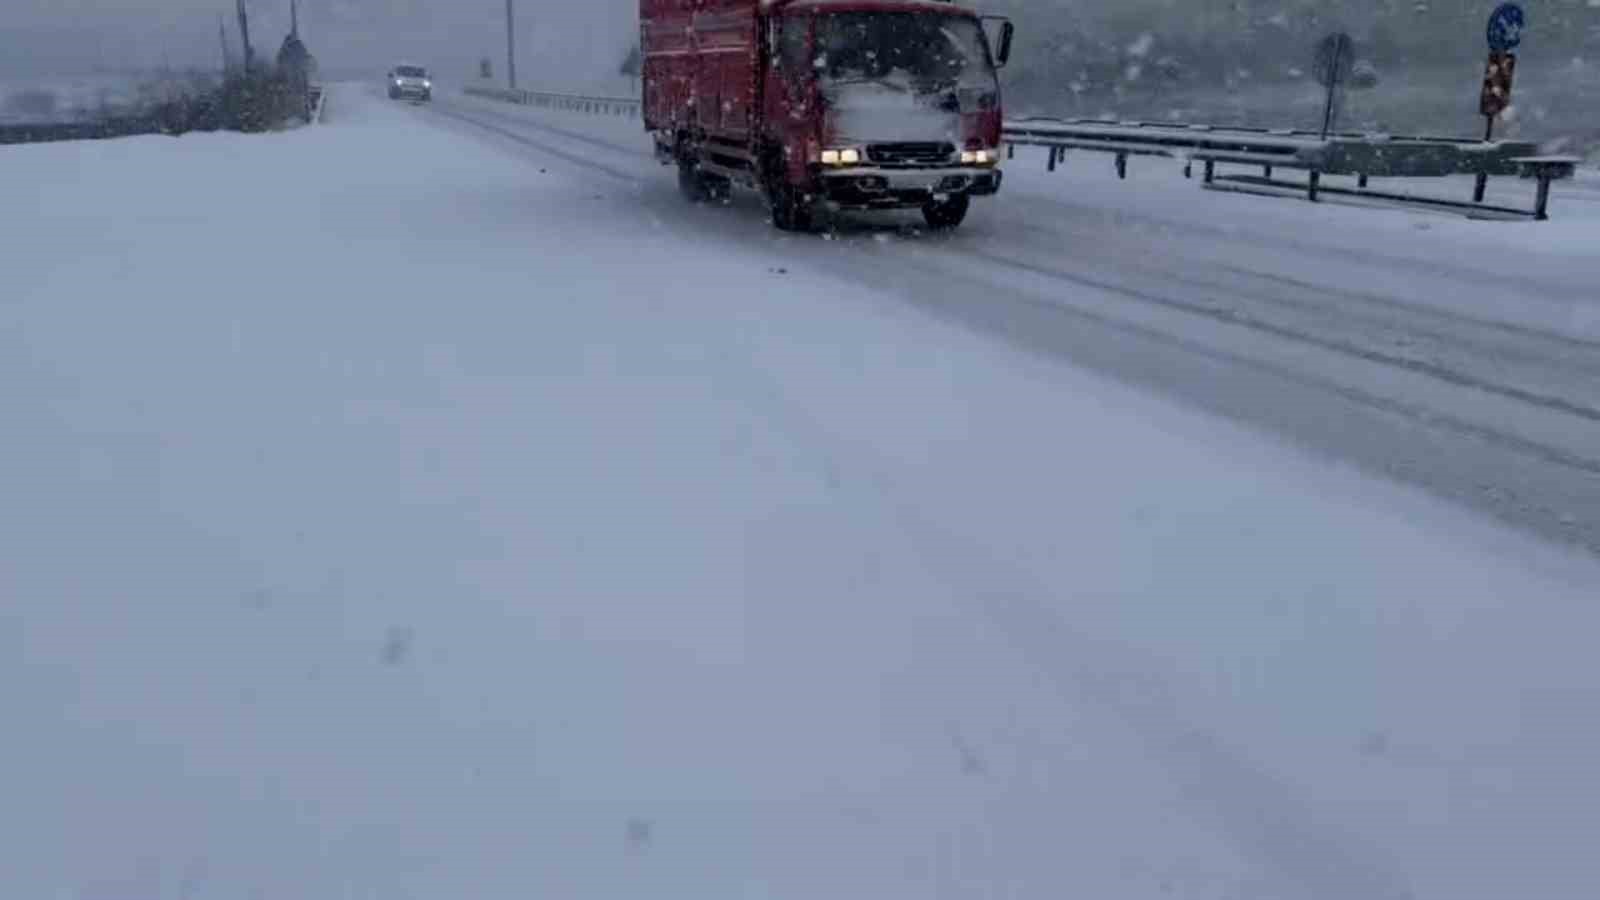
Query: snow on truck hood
<point>868,111</point>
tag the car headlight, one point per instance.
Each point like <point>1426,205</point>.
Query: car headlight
<point>427,85</point>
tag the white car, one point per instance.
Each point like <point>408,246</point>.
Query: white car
<point>410,83</point>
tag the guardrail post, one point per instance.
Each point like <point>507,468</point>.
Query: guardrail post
<point>1122,165</point>
<point>1541,204</point>
<point>1361,180</point>
<point>1211,170</point>
<point>1314,182</point>
<point>1479,187</point>
<point>1051,165</point>
<point>1188,168</point>
<point>1011,151</point>
<point>1266,171</point>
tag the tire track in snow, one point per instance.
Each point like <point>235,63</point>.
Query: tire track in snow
<point>1418,414</point>
<point>580,137</point>
<point>1245,320</point>
<point>558,153</point>
<point>1422,310</point>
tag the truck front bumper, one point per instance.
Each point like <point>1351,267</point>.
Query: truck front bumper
<point>870,187</point>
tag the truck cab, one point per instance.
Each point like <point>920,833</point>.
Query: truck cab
<point>897,104</point>
<point>828,104</point>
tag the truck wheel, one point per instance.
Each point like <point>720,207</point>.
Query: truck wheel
<point>791,209</point>
<point>948,214</point>
<point>689,183</point>
<point>699,187</point>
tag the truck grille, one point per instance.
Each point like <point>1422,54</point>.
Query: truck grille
<point>922,153</point>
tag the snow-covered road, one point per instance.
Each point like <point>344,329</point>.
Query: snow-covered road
<point>541,536</point>
<point>1460,356</point>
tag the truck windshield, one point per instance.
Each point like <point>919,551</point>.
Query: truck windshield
<point>926,51</point>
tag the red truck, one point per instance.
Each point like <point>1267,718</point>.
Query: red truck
<point>825,105</point>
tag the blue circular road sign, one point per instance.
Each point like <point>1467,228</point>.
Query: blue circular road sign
<point>1505,27</point>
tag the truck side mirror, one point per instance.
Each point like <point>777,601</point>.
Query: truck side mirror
<point>1002,50</point>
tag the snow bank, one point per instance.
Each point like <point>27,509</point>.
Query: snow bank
<point>38,101</point>
<point>529,547</point>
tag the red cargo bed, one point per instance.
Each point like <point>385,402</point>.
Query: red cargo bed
<point>700,66</point>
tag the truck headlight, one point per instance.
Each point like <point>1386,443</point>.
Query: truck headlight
<point>847,156</point>
<point>427,85</point>
<point>830,157</point>
<point>977,157</point>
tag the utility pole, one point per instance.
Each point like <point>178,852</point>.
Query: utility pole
<point>294,18</point>
<point>244,35</point>
<point>222,37</point>
<point>511,43</point>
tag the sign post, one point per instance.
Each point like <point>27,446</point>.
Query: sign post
<point>1497,77</point>
<point>1505,35</point>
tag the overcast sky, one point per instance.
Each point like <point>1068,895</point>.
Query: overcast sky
<point>576,44</point>
<point>563,40</point>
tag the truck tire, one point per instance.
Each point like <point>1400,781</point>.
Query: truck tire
<point>947,214</point>
<point>689,182</point>
<point>699,187</point>
<point>792,209</point>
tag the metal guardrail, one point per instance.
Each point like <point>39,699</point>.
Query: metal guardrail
<point>594,105</point>
<point>1372,155</point>
<point>1362,156</point>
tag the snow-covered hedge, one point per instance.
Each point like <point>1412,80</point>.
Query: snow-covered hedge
<point>257,101</point>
